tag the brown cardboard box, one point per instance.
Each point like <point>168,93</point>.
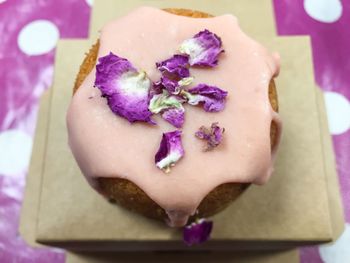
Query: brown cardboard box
<point>300,205</point>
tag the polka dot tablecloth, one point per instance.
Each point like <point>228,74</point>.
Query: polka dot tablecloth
<point>29,31</point>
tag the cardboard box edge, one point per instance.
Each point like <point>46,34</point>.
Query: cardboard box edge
<point>334,200</point>
<point>30,204</point>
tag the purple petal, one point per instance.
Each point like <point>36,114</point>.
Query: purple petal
<point>175,116</point>
<point>170,106</point>
<point>213,97</point>
<point>197,232</point>
<point>157,88</point>
<point>174,86</point>
<point>126,89</point>
<point>170,150</point>
<point>170,85</point>
<point>203,134</point>
<point>164,101</point>
<point>109,69</point>
<point>203,49</point>
<point>177,65</point>
<point>131,109</point>
<point>212,136</point>
<point>175,73</point>
<point>217,132</point>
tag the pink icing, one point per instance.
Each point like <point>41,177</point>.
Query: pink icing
<point>106,145</point>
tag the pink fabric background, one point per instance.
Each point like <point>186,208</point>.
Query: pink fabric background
<point>24,76</point>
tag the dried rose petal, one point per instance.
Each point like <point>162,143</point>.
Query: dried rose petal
<point>126,89</point>
<point>174,86</point>
<point>170,106</point>
<point>203,133</point>
<point>197,232</point>
<point>175,73</point>
<point>217,132</point>
<point>212,97</point>
<point>157,88</point>
<point>175,116</point>
<point>163,101</point>
<point>203,49</point>
<point>213,136</point>
<point>170,150</point>
<point>177,65</point>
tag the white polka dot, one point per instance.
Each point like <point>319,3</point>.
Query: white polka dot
<point>2,1</point>
<point>90,2</point>
<point>15,151</point>
<point>38,37</point>
<point>338,111</point>
<point>327,11</point>
<point>338,252</point>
